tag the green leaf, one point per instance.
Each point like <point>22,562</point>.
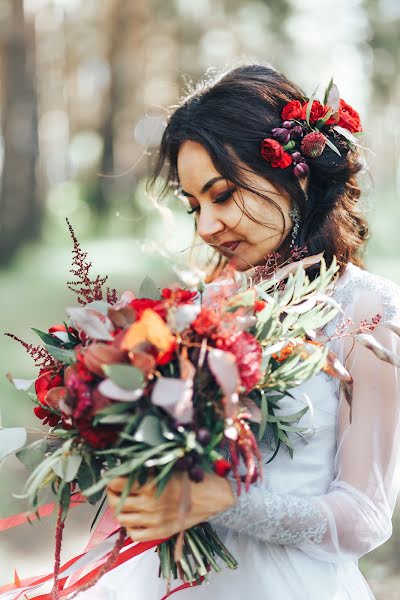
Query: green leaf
<point>61,354</point>
<point>125,468</point>
<point>165,459</point>
<point>264,415</point>
<point>332,146</point>
<point>149,289</point>
<point>112,420</point>
<point>125,492</point>
<point>310,103</point>
<point>246,298</point>
<point>11,440</point>
<point>292,428</point>
<point>64,499</point>
<point>149,431</point>
<point>126,377</point>
<point>346,134</point>
<point>328,89</point>
<point>67,467</point>
<point>33,454</point>
<point>47,338</point>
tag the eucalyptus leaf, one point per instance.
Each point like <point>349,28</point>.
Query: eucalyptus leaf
<point>11,440</point>
<point>149,431</point>
<point>126,377</point>
<point>149,289</point>
<point>33,454</point>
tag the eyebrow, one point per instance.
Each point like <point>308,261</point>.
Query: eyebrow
<point>205,187</point>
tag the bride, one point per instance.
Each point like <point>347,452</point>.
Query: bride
<point>300,532</point>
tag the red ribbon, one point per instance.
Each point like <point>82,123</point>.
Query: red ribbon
<point>47,509</point>
<point>43,511</point>
<point>135,550</point>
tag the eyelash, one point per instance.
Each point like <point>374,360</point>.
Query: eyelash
<point>221,199</point>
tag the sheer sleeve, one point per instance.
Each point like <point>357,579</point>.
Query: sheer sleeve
<point>355,514</point>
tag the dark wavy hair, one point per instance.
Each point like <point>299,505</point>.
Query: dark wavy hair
<point>229,115</point>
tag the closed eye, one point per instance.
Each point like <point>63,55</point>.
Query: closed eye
<point>220,199</point>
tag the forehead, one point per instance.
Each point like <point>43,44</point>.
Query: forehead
<point>194,165</point>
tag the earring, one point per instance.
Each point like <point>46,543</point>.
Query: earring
<point>295,215</point>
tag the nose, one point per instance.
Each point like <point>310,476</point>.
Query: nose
<point>208,225</point>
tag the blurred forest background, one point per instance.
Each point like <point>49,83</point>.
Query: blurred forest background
<point>84,87</point>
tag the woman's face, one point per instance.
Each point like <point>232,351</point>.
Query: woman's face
<point>218,207</point>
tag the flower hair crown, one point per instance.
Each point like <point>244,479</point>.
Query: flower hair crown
<point>300,137</point>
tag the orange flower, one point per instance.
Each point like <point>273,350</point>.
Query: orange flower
<point>151,329</point>
<point>287,350</point>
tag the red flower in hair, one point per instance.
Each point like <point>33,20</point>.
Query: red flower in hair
<point>349,118</point>
<point>318,111</point>
<point>292,110</point>
<point>272,151</point>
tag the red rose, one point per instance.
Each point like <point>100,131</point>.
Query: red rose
<point>273,152</point>
<point>222,467</point>
<point>139,305</point>
<point>47,380</point>
<point>292,110</point>
<point>349,118</point>
<point>285,161</point>
<point>46,416</point>
<point>318,111</point>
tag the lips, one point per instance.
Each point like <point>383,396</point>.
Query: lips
<point>230,246</point>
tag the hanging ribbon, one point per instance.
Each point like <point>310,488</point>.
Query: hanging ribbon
<point>43,511</point>
<point>15,590</point>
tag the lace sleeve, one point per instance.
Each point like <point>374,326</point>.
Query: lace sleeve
<point>354,516</point>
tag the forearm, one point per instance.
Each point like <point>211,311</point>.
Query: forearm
<point>280,519</point>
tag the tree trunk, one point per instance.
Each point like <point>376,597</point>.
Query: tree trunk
<point>20,212</point>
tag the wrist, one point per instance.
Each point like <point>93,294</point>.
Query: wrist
<point>210,497</point>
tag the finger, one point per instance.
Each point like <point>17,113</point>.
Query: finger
<point>119,483</point>
<point>136,520</point>
<point>144,535</point>
<point>131,503</point>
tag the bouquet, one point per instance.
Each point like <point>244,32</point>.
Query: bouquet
<point>146,385</point>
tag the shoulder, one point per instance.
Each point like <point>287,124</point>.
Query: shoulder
<point>367,293</point>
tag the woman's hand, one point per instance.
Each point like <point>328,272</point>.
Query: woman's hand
<point>148,517</point>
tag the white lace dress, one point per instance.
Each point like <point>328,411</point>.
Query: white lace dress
<point>299,534</point>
